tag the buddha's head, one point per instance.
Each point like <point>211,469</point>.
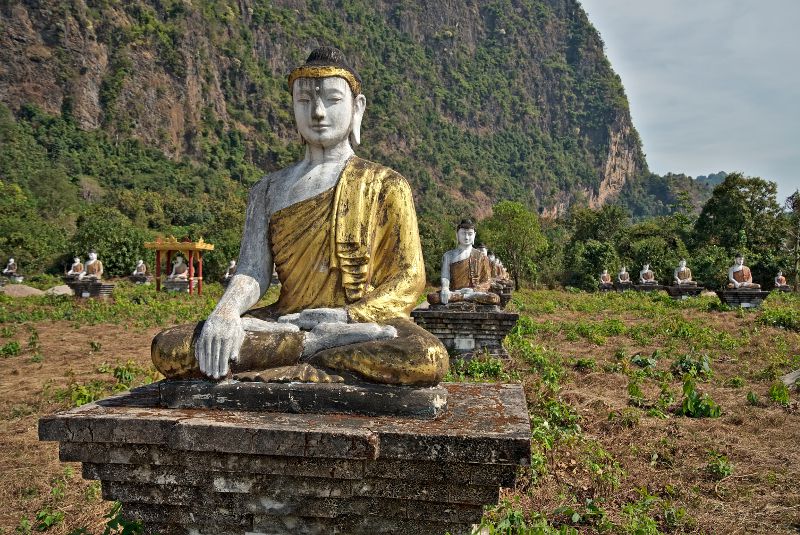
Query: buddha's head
<point>178,260</point>
<point>605,272</point>
<point>739,259</point>
<point>76,260</point>
<point>10,260</point>
<point>465,233</point>
<point>92,256</point>
<point>623,270</point>
<point>139,263</point>
<point>682,263</point>
<point>780,273</point>
<point>327,99</point>
<point>646,267</point>
<point>232,264</point>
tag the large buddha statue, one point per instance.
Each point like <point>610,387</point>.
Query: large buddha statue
<point>342,234</point>
<point>180,271</point>
<point>466,273</point>
<point>646,275</point>
<point>739,276</point>
<point>780,282</point>
<point>93,269</point>
<point>683,275</point>
<point>10,269</point>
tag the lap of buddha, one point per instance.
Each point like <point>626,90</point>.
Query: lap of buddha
<point>94,270</point>
<point>473,272</point>
<point>180,272</point>
<point>377,278</point>
<point>684,277</point>
<point>648,278</point>
<point>745,279</point>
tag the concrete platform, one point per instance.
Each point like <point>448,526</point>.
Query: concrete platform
<point>328,398</point>
<point>742,298</point>
<point>466,333</point>
<point>222,472</point>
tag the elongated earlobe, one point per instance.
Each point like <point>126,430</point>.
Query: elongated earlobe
<point>359,106</point>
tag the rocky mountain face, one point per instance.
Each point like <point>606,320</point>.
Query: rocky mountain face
<point>473,101</point>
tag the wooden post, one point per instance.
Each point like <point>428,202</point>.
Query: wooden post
<point>158,270</point>
<point>191,271</point>
<point>200,273</point>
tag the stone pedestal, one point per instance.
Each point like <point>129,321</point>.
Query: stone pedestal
<point>684,292</point>
<point>649,287</point>
<point>140,279</point>
<point>179,285</point>
<point>742,298</point>
<point>223,472</point>
<point>87,289</point>
<point>467,333</point>
<point>622,286</point>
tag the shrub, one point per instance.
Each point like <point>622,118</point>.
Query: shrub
<point>697,405</point>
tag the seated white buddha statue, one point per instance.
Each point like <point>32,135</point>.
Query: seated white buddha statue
<point>10,269</point>
<point>342,235</point>
<point>646,275</point>
<point>780,282</point>
<point>466,273</point>
<point>76,269</point>
<point>739,276</point>
<point>623,277</point>
<point>231,270</point>
<point>180,271</point>
<point>683,275</point>
<point>140,270</point>
<point>605,280</point>
<point>93,269</point>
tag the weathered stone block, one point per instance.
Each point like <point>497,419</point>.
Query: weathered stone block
<point>220,472</point>
<point>466,333</point>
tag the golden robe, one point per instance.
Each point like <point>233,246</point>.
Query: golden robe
<point>354,246</point>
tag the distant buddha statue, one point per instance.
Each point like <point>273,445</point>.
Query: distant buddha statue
<point>180,271</point>
<point>93,269</point>
<point>466,273</point>
<point>76,269</point>
<point>10,269</point>
<point>623,277</point>
<point>780,282</point>
<point>342,234</point>
<point>683,275</point>
<point>231,270</point>
<point>646,275</point>
<point>605,280</point>
<point>739,276</point>
<point>140,270</point>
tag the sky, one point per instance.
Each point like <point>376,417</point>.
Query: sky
<point>714,85</point>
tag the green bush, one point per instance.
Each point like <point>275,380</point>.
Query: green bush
<point>695,404</point>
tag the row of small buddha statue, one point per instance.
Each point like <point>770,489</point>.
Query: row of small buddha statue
<point>739,277</point>
<point>469,274</point>
<point>92,270</point>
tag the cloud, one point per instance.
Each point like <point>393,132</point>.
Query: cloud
<point>713,84</point>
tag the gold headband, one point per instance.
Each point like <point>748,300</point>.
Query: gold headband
<point>325,72</point>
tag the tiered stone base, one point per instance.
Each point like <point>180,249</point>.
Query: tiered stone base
<point>140,279</point>
<point>684,292</point>
<point>467,333</point>
<point>742,298</point>
<point>179,285</point>
<point>95,289</point>
<point>622,286</point>
<point>221,472</point>
<point>649,287</point>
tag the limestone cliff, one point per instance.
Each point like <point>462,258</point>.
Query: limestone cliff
<point>473,101</point>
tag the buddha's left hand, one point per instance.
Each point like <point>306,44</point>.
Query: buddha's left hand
<point>311,317</point>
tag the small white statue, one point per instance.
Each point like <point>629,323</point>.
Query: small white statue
<point>623,277</point>
<point>466,274</point>
<point>646,275</point>
<point>683,275</point>
<point>93,269</point>
<point>11,268</point>
<point>180,271</point>
<point>605,280</point>
<point>140,270</point>
<point>739,276</point>
<point>231,270</point>
<point>76,269</point>
<point>780,282</point>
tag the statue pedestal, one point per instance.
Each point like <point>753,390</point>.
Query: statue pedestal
<point>227,472</point>
<point>180,285</point>
<point>649,287</point>
<point>605,287</point>
<point>742,298</point>
<point>89,289</point>
<point>465,333</point>
<point>140,279</point>
<point>622,286</point>
<point>684,292</point>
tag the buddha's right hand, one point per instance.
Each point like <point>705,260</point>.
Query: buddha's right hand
<point>218,344</point>
<point>444,296</point>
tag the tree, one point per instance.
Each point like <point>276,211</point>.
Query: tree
<point>792,243</point>
<point>118,242</point>
<point>514,234</point>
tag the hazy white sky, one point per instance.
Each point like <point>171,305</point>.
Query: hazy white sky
<point>714,85</point>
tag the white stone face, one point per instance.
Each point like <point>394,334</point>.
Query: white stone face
<point>465,236</point>
<point>323,109</point>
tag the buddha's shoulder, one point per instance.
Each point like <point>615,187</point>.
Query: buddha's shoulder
<point>377,171</point>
